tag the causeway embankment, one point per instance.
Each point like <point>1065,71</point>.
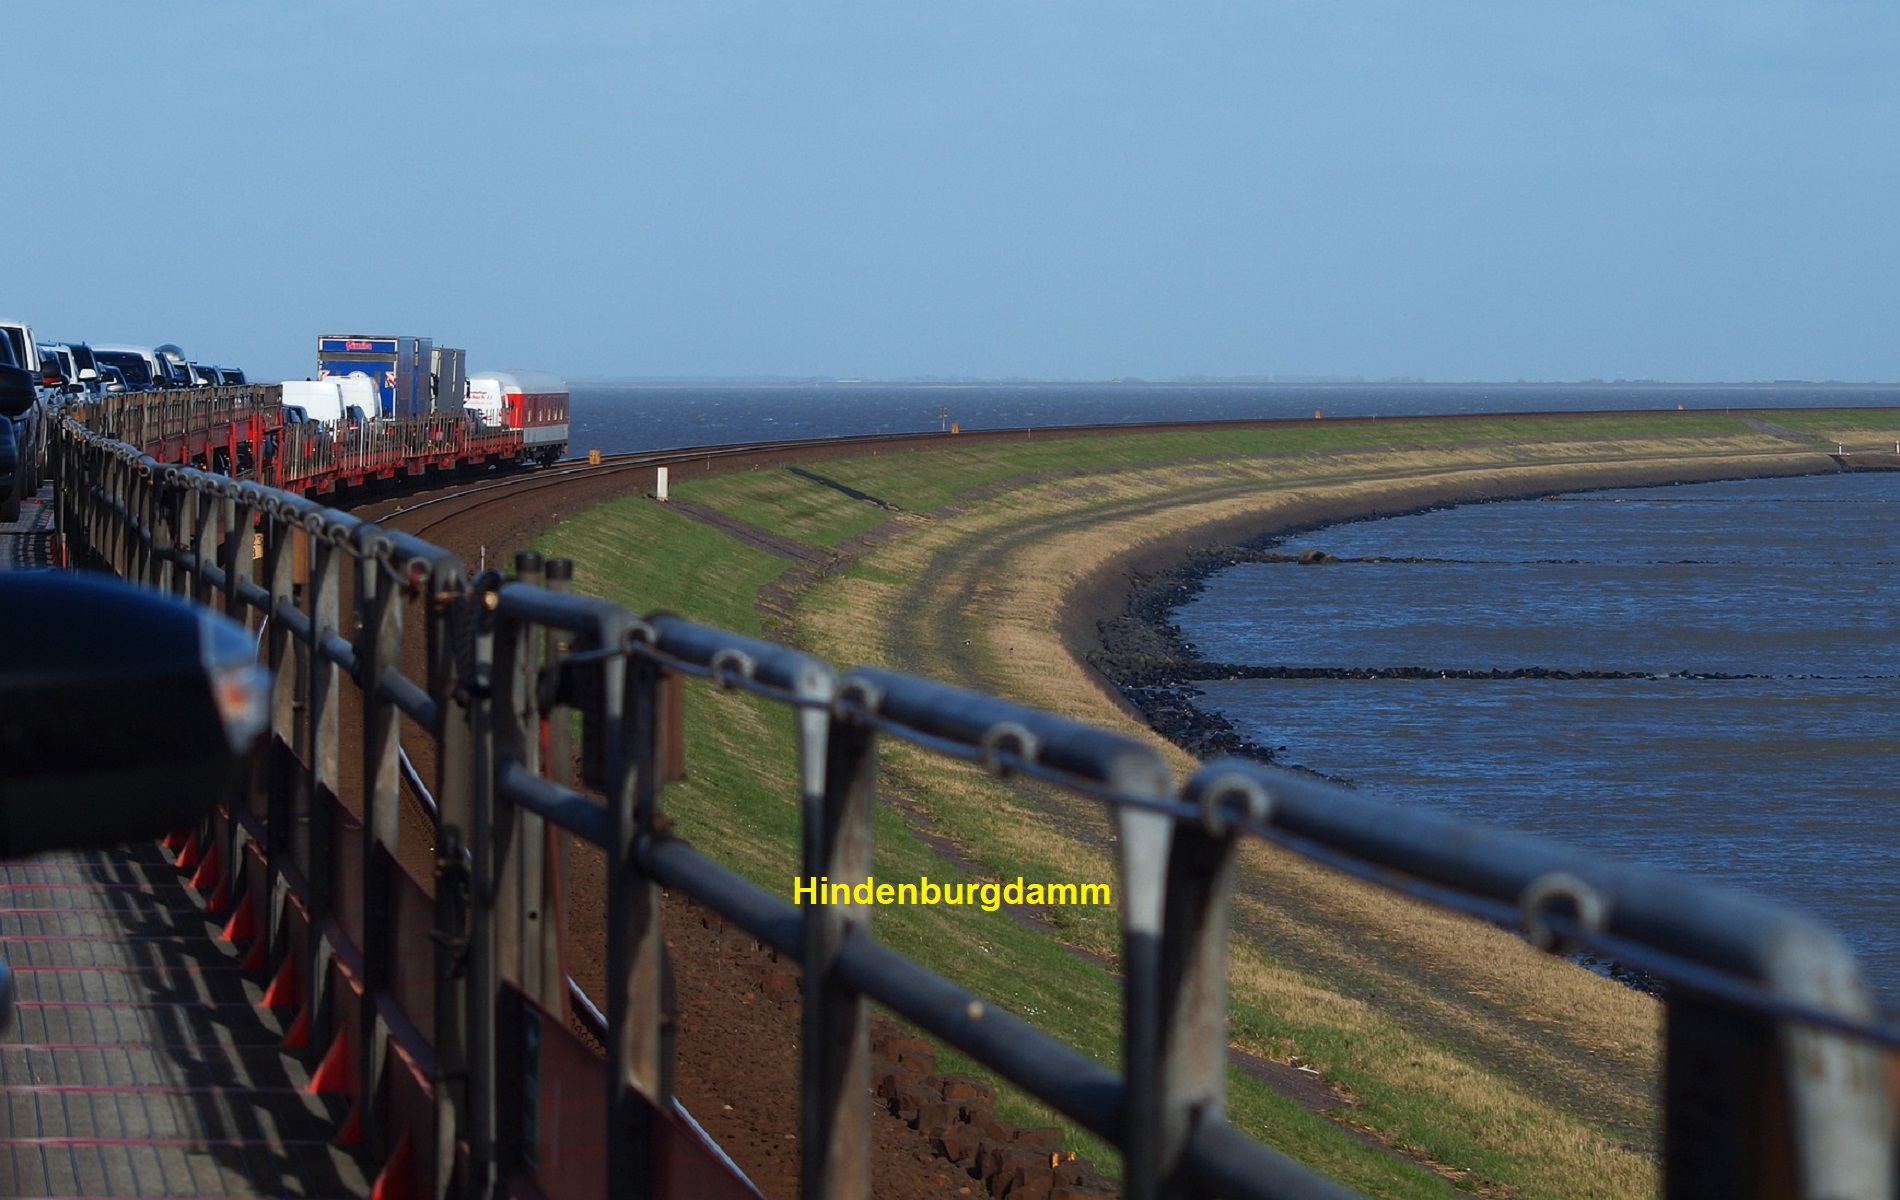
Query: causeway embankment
<point>1441,1052</point>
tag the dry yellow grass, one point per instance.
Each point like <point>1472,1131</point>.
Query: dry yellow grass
<point>1550,1065</point>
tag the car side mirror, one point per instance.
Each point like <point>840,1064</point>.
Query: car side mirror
<point>87,374</point>
<point>17,393</point>
<point>123,713</point>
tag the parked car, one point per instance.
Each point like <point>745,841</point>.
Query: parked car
<point>77,375</point>
<point>78,370</point>
<point>176,366</point>
<point>83,359</point>
<point>138,364</point>
<point>61,358</point>
<point>226,376</point>
<point>23,351</point>
<point>9,474</point>
<point>29,418</point>
<point>19,394</point>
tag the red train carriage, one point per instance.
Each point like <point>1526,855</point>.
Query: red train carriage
<point>533,402</point>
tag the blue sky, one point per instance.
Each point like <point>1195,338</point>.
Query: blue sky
<point>1452,191</point>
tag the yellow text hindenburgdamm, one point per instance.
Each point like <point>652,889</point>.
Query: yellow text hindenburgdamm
<point>987,896</point>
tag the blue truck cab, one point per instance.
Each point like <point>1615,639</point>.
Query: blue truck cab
<point>398,366</point>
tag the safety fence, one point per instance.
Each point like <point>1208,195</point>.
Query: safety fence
<point>242,432</point>
<point>357,450</point>
<point>451,1011</point>
<point>152,418</point>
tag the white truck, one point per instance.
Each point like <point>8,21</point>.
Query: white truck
<point>332,398</point>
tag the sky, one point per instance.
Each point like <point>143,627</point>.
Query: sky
<point>1460,190</point>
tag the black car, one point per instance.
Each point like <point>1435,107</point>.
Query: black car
<point>9,474</point>
<point>19,396</point>
<point>136,372</point>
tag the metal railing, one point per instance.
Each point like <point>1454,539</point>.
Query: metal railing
<point>147,418</point>
<point>243,427</point>
<point>1775,1069</point>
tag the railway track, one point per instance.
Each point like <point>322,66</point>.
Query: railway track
<point>455,517</point>
<point>422,516</point>
<point>439,514</point>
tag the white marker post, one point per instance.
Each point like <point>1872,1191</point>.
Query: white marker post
<point>659,484</point>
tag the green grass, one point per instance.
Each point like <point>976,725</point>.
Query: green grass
<point>927,477</point>
<point>1851,426</point>
<point>740,803</point>
<point>788,504</point>
<point>647,557</point>
<point>740,806</point>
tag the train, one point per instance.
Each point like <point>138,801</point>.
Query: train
<point>533,402</point>
<point>328,435</point>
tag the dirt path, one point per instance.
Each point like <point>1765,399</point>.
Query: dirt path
<point>738,1063</point>
<point>955,619</point>
<point>738,1060</point>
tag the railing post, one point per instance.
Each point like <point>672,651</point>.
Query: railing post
<point>204,540</point>
<point>238,522</point>
<point>379,599</point>
<point>558,765</point>
<point>451,669</point>
<point>1190,1084</point>
<point>280,542</point>
<point>128,550</point>
<point>523,898</point>
<point>838,778</point>
<point>289,661</point>
<point>1762,1112</point>
<point>121,517</point>
<point>168,502</point>
<point>522,905</point>
<point>91,464</point>
<point>186,505</point>
<point>1144,843</point>
<point>114,514</point>
<point>484,975</point>
<point>639,1076</point>
<point>315,824</point>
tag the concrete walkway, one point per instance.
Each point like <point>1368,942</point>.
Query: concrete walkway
<point>139,1061</point>
<point>28,542</point>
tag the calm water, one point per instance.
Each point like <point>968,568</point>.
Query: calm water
<point>616,417</point>
<point>1783,777</point>
<point>1781,781</point>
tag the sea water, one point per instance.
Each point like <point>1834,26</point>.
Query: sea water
<point>1754,743</point>
<point>618,417</point>
<point>1756,747</point>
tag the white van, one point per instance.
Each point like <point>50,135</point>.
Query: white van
<point>328,399</point>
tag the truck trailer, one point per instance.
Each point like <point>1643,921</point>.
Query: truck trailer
<point>413,376</point>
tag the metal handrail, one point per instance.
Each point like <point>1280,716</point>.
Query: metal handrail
<point>1773,1043</point>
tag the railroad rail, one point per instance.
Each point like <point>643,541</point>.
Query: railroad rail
<point>450,1014</point>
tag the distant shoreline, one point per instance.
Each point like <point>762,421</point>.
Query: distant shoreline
<point>1268,382</point>
<point>1119,620</point>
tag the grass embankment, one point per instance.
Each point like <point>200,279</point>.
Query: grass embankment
<point>1478,1060</point>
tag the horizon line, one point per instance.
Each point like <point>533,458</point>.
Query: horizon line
<point>1201,380</point>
